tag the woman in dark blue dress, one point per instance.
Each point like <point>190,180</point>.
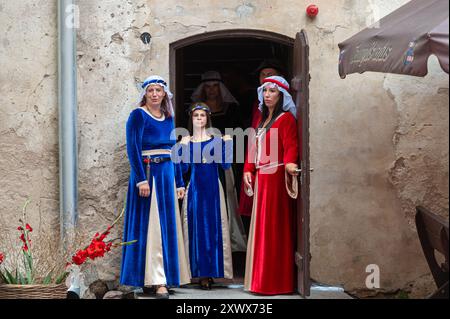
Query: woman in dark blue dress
<point>152,217</point>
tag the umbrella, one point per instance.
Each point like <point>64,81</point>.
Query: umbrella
<point>401,42</point>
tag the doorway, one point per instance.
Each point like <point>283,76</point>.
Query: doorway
<point>237,52</point>
<point>228,52</point>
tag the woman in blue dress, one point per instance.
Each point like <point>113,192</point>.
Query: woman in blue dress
<point>204,212</point>
<point>158,259</point>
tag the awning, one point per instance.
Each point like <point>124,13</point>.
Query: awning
<point>401,42</point>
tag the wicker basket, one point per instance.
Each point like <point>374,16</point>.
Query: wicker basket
<point>33,291</point>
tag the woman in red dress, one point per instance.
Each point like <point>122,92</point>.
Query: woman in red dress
<point>270,176</point>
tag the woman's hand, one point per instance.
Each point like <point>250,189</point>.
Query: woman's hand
<point>185,140</point>
<point>180,193</point>
<point>292,169</point>
<point>248,180</point>
<point>144,190</point>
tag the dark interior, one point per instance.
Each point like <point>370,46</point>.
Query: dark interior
<point>235,58</point>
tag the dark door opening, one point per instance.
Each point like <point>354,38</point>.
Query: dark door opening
<point>231,57</point>
<point>235,53</point>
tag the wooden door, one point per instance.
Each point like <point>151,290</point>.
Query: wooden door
<point>300,88</point>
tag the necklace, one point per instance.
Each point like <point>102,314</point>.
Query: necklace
<point>150,111</point>
<point>201,139</point>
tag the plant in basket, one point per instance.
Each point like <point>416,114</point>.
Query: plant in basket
<point>39,270</point>
<point>98,247</point>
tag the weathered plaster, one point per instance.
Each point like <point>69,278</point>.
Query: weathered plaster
<point>379,143</point>
<point>28,116</point>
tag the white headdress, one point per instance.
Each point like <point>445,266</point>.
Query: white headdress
<point>283,86</point>
<point>212,77</point>
<point>156,80</point>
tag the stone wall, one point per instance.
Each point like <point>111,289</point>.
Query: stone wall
<point>379,143</point>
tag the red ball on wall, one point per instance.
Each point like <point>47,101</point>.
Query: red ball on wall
<point>312,10</point>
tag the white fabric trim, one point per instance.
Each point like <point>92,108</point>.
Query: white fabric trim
<point>237,230</point>
<point>162,119</point>
<point>141,183</point>
<point>259,138</point>
<point>154,262</point>
<point>251,242</point>
<point>156,152</point>
<point>226,241</point>
<point>184,220</point>
<point>183,260</point>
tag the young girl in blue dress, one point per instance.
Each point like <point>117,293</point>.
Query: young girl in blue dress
<point>204,212</point>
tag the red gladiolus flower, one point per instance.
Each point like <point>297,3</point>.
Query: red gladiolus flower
<point>25,247</point>
<point>20,228</point>
<point>2,258</point>
<point>22,238</point>
<point>80,257</point>
<point>96,249</point>
<point>103,236</point>
<point>100,247</point>
<point>28,227</point>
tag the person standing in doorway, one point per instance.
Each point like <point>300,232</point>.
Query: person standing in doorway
<point>274,170</point>
<point>270,67</point>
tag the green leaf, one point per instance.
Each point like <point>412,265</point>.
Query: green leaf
<point>21,280</point>
<point>48,279</point>
<point>127,243</point>
<point>28,263</point>
<point>10,279</point>
<point>61,278</point>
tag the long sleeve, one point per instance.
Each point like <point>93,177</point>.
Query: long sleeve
<point>134,134</point>
<point>288,135</point>
<point>180,165</point>
<point>249,165</point>
<point>179,175</point>
<point>180,156</point>
<point>227,152</point>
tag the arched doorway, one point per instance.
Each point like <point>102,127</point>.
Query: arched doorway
<point>226,50</point>
<point>243,50</point>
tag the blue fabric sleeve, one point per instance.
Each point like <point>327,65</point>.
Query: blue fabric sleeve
<point>227,153</point>
<point>178,175</point>
<point>135,132</point>
<point>179,163</point>
<point>182,157</point>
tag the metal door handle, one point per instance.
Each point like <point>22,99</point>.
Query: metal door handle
<point>299,170</point>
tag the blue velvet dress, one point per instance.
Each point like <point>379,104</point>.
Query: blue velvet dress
<point>204,213</point>
<point>159,255</point>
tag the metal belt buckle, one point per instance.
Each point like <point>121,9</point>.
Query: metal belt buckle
<point>157,160</point>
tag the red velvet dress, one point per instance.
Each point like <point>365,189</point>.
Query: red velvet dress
<point>270,251</point>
